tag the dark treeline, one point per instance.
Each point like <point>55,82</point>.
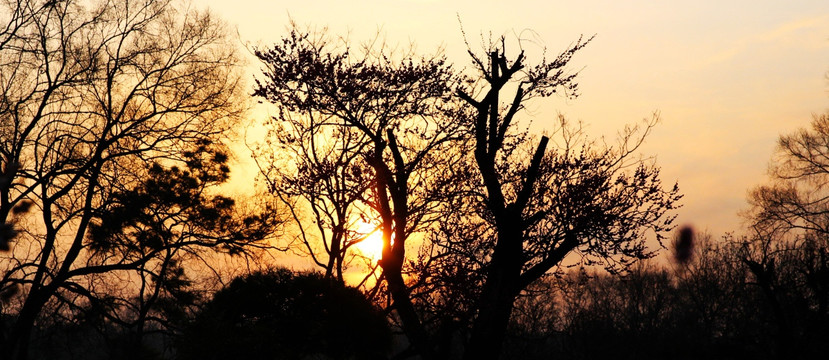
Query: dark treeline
<point>713,307</point>
<point>118,241</point>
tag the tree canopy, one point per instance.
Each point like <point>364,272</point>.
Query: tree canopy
<point>458,170</point>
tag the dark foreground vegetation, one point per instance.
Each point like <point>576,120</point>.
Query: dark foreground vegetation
<point>715,307</point>
<point>118,242</point>
<point>712,307</point>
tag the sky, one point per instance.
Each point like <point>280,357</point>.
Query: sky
<point>727,77</point>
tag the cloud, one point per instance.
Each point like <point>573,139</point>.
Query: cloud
<point>791,29</point>
<point>810,33</point>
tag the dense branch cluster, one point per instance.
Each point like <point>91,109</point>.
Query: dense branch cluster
<point>113,117</point>
<point>455,170</point>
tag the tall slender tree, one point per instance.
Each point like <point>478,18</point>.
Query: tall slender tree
<point>539,211</point>
<point>402,107</point>
<point>95,98</point>
<point>316,169</point>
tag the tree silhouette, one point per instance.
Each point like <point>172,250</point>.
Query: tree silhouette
<point>455,167</point>
<point>712,306</point>
<point>786,250</point>
<point>155,228</point>
<point>315,167</point>
<point>540,211</point>
<point>97,98</point>
<point>405,111</point>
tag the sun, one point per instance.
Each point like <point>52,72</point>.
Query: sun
<point>372,245</point>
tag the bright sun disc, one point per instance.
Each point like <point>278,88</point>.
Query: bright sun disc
<point>372,245</point>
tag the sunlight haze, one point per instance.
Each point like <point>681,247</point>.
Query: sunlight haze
<point>726,77</point>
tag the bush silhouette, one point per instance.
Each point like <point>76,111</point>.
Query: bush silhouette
<point>279,314</point>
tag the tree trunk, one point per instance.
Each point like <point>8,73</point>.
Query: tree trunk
<point>497,296</point>
<point>17,345</point>
<point>408,316</point>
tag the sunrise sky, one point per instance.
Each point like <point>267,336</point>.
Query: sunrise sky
<point>727,76</point>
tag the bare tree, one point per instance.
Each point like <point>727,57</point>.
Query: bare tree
<point>598,202</point>
<point>96,98</point>
<point>402,107</point>
<point>796,197</point>
<point>316,168</point>
<point>787,248</point>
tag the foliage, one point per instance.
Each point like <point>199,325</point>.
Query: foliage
<point>171,206</point>
<point>106,109</point>
<point>279,314</point>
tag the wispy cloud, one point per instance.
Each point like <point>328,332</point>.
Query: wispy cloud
<point>811,33</point>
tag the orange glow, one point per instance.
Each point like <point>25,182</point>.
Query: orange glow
<point>726,89</point>
<point>372,244</point>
